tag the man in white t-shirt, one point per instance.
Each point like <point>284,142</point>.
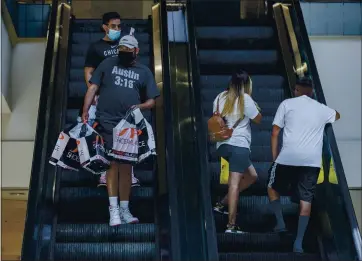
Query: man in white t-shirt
<point>303,120</point>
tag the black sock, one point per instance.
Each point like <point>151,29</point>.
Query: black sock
<point>302,226</point>
<point>277,209</point>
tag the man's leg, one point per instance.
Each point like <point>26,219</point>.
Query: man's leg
<point>304,215</point>
<point>308,177</point>
<point>112,182</point>
<point>135,181</point>
<point>125,180</point>
<point>276,181</point>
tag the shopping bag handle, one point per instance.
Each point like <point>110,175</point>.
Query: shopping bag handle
<point>83,130</point>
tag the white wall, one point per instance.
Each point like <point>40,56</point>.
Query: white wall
<point>18,128</point>
<point>26,76</point>
<point>16,158</point>
<point>338,61</point>
<point>6,54</point>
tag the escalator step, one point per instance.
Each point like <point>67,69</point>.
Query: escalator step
<point>244,32</point>
<point>105,233</point>
<point>220,82</point>
<point>255,215</point>
<point>238,57</point>
<point>104,251</point>
<point>221,37</point>
<point>268,256</point>
<point>74,195</point>
<point>90,204</point>
<point>84,178</point>
<point>261,242</point>
<point>252,68</point>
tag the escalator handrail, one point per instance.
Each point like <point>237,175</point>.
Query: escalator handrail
<point>36,178</point>
<point>175,231</point>
<point>342,181</point>
<point>201,139</point>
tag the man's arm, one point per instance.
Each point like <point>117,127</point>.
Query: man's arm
<point>92,60</point>
<point>88,71</point>
<point>274,141</point>
<point>152,92</point>
<point>329,115</point>
<point>88,100</point>
<point>278,123</point>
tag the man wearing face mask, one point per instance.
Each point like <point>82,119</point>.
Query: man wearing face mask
<point>97,52</point>
<point>122,83</point>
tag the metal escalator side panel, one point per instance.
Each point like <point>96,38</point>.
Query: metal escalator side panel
<point>201,137</point>
<point>41,181</point>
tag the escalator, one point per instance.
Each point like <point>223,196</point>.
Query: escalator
<point>67,217</point>
<point>82,229</point>
<point>220,43</point>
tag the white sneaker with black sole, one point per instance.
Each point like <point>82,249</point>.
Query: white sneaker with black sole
<point>135,181</point>
<point>114,216</point>
<point>127,217</point>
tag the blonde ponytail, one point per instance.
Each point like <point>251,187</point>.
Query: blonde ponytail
<point>236,92</point>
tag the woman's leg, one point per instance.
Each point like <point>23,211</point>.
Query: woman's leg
<point>249,178</point>
<point>233,195</point>
<point>125,181</point>
<point>112,187</point>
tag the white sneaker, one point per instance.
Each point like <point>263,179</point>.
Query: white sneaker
<point>135,181</point>
<point>127,217</point>
<point>114,217</point>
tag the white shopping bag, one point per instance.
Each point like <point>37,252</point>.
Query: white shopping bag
<point>146,138</point>
<point>125,140</point>
<point>65,153</point>
<point>91,150</point>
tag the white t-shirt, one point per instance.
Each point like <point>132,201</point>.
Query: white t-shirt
<point>303,120</point>
<point>241,136</point>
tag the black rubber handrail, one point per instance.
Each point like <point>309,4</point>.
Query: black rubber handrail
<point>342,181</point>
<point>29,250</point>
<point>170,154</point>
<point>201,139</point>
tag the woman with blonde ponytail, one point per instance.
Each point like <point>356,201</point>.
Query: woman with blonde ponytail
<point>237,109</point>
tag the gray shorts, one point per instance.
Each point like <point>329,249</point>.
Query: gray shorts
<point>238,157</point>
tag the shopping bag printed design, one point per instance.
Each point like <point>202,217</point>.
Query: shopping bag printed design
<point>65,153</point>
<point>224,172</point>
<point>146,138</point>
<point>125,140</point>
<point>91,150</point>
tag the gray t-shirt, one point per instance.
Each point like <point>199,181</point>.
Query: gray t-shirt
<point>121,87</point>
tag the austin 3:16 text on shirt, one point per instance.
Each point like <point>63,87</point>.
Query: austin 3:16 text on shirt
<point>121,87</point>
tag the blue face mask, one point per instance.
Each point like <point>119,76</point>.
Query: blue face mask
<point>113,34</point>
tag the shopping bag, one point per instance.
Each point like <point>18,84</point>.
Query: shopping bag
<point>125,140</point>
<point>146,138</point>
<point>65,153</point>
<point>224,172</point>
<point>92,155</point>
